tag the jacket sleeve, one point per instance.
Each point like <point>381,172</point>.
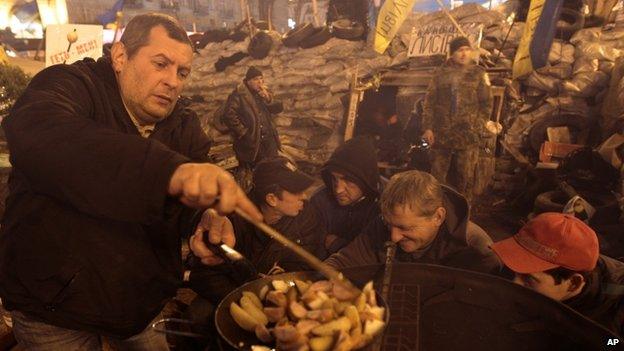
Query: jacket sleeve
<point>275,106</point>
<point>484,94</point>
<point>60,151</point>
<point>361,251</point>
<point>231,117</point>
<point>429,104</point>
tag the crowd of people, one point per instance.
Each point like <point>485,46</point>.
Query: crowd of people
<point>110,175</point>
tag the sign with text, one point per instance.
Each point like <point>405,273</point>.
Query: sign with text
<point>389,20</point>
<point>434,39</point>
<point>68,43</point>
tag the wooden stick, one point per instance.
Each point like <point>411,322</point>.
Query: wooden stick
<point>451,18</point>
<point>315,13</point>
<point>269,14</point>
<point>251,31</point>
<point>310,259</point>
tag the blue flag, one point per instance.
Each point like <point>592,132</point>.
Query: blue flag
<point>110,15</point>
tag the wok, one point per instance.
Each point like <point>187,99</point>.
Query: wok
<point>240,339</point>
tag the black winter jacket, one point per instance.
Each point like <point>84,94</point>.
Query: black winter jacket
<point>242,115</point>
<point>90,240</point>
<point>450,247</point>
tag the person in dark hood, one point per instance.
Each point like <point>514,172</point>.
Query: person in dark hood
<point>349,197</point>
<point>248,114</point>
<point>428,221</point>
<point>557,255</point>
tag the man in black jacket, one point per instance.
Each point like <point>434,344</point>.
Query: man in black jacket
<point>429,223</point>
<point>104,160</point>
<point>248,115</point>
<point>557,255</point>
<point>349,198</point>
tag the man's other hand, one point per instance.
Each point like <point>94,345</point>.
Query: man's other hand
<point>219,231</point>
<point>199,185</point>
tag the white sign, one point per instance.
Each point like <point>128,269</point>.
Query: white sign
<point>87,42</point>
<point>434,39</point>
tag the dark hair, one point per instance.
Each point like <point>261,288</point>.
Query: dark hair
<point>259,195</point>
<point>560,274</point>
<point>137,32</point>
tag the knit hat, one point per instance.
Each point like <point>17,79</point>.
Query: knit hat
<point>548,241</point>
<point>252,73</point>
<point>356,159</point>
<point>457,43</point>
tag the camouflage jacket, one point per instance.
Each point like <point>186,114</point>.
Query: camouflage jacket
<point>457,105</point>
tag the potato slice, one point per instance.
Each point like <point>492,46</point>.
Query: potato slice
<point>327,315</point>
<point>274,314</point>
<point>286,333</point>
<point>254,298</point>
<point>291,295</point>
<point>305,326</point>
<point>277,298</point>
<point>253,310</point>
<point>263,291</point>
<point>360,302</point>
<point>260,348</point>
<point>299,344</point>
<point>297,311</point>
<point>354,316</point>
<point>341,306</point>
<point>344,342</point>
<point>242,318</point>
<point>263,334</point>
<point>330,328</point>
<point>280,285</point>
<point>342,293</point>
<point>361,340</point>
<point>302,286</point>
<point>321,285</point>
<point>373,327</point>
<point>321,343</point>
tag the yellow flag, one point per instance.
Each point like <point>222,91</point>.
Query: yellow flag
<point>391,16</point>
<point>522,62</point>
<point>4,59</point>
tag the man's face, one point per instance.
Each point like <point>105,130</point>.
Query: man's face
<point>544,284</point>
<point>410,231</point>
<point>151,81</point>
<point>463,56</point>
<point>256,83</point>
<point>290,204</point>
<point>345,190</point>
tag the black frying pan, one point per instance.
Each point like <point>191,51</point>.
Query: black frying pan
<point>240,339</point>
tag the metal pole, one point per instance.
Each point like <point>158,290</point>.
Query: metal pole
<point>446,12</point>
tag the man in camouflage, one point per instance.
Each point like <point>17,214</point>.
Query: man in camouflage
<point>457,106</point>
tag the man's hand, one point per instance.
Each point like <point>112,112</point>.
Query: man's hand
<point>428,136</point>
<point>199,185</point>
<point>220,231</point>
<point>264,93</point>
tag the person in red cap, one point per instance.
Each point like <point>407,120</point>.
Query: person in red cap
<point>557,255</point>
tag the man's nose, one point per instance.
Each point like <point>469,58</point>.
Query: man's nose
<point>172,78</point>
<point>339,186</point>
<point>395,235</point>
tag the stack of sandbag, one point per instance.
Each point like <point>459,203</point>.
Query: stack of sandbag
<point>310,83</point>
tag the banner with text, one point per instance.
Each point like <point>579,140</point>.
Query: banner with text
<point>434,39</point>
<point>68,43</point>
<point>389,20</point>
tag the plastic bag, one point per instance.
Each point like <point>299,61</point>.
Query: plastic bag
<point>600,50</point>
<point>586,35</point>
<point>560,71</point>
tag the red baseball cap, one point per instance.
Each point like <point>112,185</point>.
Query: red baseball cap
<point>548,241</point>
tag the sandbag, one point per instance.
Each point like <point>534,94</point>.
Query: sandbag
<point>466,10</point>
<point>559,71</point>
<point>561,52</point>
<point>598,50</point>
<point>487,18</point>
<point>586,35</point>
<point>569,105</point>
<point>543,82</point>
<point>606,66</point>
<point>613,105</point>
<point>584,65</point>
<point>585,84</point>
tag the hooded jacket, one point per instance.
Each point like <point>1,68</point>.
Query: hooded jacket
<point>355,159</point>
<point>90,240</point>
<point>243,113</point>
<point>602,298</point>
<point>450,247</point>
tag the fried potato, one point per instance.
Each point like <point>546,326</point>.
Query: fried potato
<point>321,343</point>
<point>332,327</point>
<point>242,318</point>
<point>247,304</point>
<point>254,298</point>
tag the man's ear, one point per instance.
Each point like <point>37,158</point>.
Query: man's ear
<point>576,283</point>
<point>270,199</point>
<point>119,56</point>
<point>439,216</point>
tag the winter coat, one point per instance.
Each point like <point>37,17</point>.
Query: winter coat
<point>355,159</point>
<point>243,113</point>
<point>449,248</point>
<point>457,106</point>
<point>90,240</point>
<point>602,298</point>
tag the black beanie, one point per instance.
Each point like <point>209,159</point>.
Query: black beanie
<point>357,159</point>
<point>252,73</point>
<point>457,43</point>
